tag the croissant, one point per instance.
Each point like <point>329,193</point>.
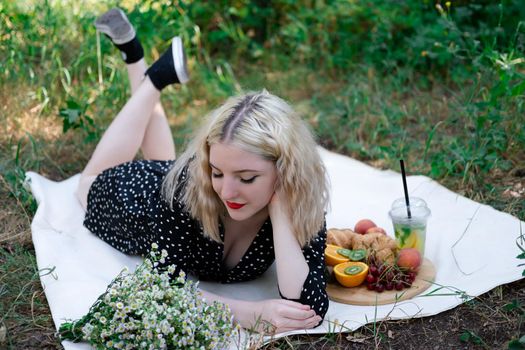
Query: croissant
<point>386,256</point>
<point>371,240</point>
<point>339,237</point>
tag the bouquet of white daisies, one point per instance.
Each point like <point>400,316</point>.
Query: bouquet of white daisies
<point>148,310</point>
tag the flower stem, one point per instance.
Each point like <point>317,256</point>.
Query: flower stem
<point>73,330</point>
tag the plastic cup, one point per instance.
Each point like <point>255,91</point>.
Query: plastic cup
<point>410,232</point>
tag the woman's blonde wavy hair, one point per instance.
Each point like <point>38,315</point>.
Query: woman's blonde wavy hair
<point>263,124</point>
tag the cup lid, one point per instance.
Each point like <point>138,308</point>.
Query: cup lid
<point>414,202</point>
<point>417,213</point>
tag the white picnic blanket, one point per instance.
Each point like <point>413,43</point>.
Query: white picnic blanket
<point>472,246</point>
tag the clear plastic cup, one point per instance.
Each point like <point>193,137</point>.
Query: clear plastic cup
<point>410,232</point>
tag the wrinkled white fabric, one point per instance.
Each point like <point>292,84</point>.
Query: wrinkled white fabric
<point>463,236</point>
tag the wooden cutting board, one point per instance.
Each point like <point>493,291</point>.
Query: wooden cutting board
<point>362,296</point>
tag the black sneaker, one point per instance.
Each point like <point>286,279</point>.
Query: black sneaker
<point>116,25</point>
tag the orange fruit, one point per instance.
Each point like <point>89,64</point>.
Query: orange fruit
<point>332,257</point>
<point>359,269</point>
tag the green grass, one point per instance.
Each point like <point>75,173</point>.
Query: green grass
<point>442,88</point>
<point>24,310</point>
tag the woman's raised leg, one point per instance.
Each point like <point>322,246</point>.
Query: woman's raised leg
<point>157,142</point>
<point>123,138</point>
<point>142,123</point>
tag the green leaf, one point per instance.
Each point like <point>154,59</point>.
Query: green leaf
<point>516,344</point>
<point>518,89</point>
<point>72,104</point>
<point>511,306</point>
<point>465,336</point>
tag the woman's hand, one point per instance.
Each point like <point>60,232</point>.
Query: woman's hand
<point>277,316</point>
<point>277,209</point>
<point>268,316</point>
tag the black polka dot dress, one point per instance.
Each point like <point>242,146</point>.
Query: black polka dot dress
<point>125,209</point>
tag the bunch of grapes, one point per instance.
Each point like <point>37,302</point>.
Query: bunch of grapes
<point>383,277</point>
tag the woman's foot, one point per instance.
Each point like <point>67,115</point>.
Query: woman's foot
<point>117,27</point>
<point>171,67</point>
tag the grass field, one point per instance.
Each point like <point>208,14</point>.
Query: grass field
<point>440,84</point>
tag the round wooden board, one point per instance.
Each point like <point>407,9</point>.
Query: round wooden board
<point>362,296</point>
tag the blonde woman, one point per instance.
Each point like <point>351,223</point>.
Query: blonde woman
<point>249,190</point>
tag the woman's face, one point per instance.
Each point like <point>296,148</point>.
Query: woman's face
<point>244,181</point>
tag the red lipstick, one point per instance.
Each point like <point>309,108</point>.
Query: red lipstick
<point>233,205</point>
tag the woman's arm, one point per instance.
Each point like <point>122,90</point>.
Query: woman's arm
<point>269,316</point>
<point>307,288</point>
<point>292,269</point>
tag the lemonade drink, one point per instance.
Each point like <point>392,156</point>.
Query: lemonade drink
<point>410,236</point>
<point>410,232</point>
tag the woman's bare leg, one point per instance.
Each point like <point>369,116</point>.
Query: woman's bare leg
<point>157,142</point>
<point>124,136</point>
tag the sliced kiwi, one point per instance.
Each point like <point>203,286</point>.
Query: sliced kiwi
<point>344,252</point>
<point>353,270</point>
<point>357,254</point>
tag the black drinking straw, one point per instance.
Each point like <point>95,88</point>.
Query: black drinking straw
<point>404,176</point>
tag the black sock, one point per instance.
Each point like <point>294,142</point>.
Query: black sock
<point>131,51</point>
<point>162,72</point>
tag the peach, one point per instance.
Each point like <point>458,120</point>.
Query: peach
<point>376,229</point>
<point>363,225</point>
<point>409,259</point>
